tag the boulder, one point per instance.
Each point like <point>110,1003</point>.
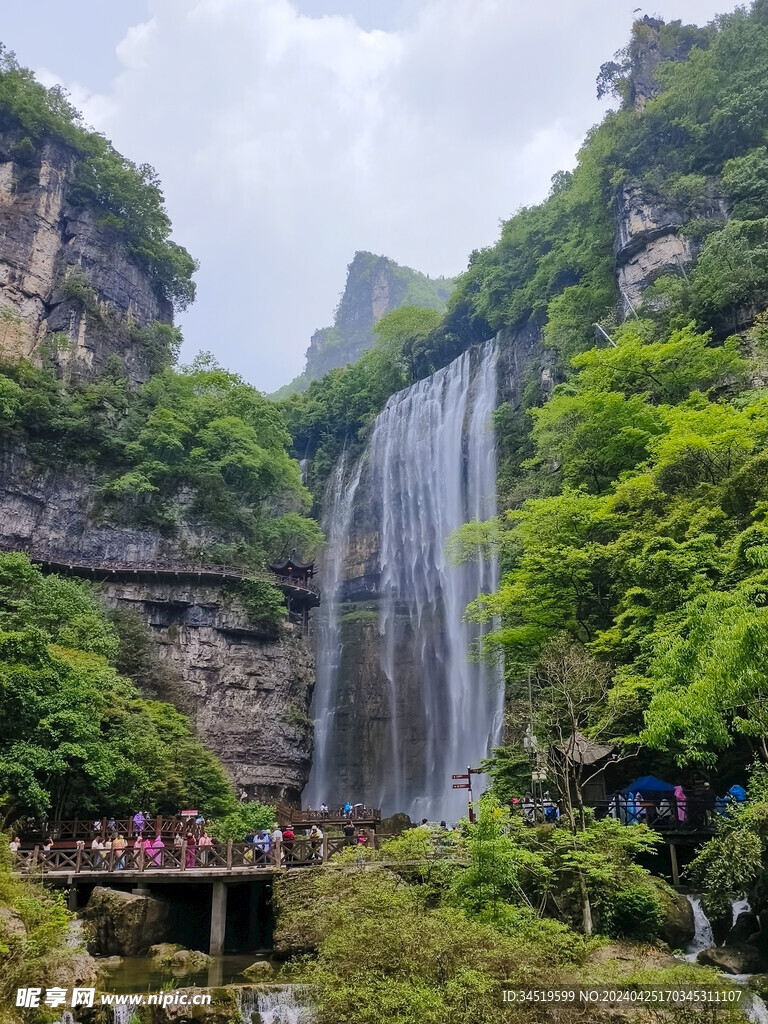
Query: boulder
<point>109,963</point>
<point>737,959</point>
<point>125,924</point>
<point>677,925</point>
<point>394,824</point>
<point>162,952</point>
<point>224,1008</point>
<point>74,968</point>
<point>188,961</point>
<point>746,924</point>
<point>259,971</point>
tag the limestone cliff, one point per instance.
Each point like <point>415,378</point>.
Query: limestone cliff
<point>69,293</point>
<point>375,286</point>
<point>650,236</point>
<point>247,693</point>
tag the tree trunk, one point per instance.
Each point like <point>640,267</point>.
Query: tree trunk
<point>586,906</point>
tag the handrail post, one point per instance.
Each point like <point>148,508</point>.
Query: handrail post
<point>229,855</point>
<point>35,855</point>
<point>111,864</point>
<point>141,857</point>
<point>183,855</point>
<point>159,825</point>
<point>74,829</point>
<point>278,848</point>
<point>78,860</point>
<point>325,848</point>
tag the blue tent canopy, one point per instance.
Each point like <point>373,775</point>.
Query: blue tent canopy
<point>648,784</point>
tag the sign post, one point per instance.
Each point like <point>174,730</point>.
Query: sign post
<point>466,783</point>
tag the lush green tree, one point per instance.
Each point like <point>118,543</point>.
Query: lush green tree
<point>734,861</point>
<point>75,737</point>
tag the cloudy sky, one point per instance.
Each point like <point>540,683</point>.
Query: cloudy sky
<point>291,133</point>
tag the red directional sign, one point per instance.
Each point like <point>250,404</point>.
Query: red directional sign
<point>465,776</point>
<point>461,785</point>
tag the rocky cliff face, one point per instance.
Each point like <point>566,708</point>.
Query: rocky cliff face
<point>248,694</point>
<point>649,237</point>
<point>375,286</point>
<point>68,291</point>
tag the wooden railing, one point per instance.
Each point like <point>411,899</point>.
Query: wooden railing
<point>337,815</point>
<point>108,828</point>
<point>303,851</point>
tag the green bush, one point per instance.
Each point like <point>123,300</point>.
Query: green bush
<point>633,913</point>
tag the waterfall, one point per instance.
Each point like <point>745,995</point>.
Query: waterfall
<point>406,707</point>
<point>122,1013</point>
<point>434,467</point>
<point>336,525</point>
<point>703,937</point>
<point>276,1006</point>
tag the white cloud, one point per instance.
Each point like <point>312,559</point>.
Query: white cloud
<point>287,142</point>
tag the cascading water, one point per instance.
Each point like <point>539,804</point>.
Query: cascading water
<point>429,468</point>
<point>703,936</point>
<point>278,1006</point>
<point>336,528</point>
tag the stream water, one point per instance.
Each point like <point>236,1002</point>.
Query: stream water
<point>141,974</point>
<point>753,1006</point>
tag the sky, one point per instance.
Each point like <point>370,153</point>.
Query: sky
<point>290,134</point>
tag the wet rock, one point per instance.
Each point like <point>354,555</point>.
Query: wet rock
<point>188,961</point>
<point>260,971</point>
<point>224,1007</point>
<point>124,924</point>
<point>746,924</point>
<point>162,952</point>
<point>109,962</point>
<point>677,924</point>
<point>737,959</point>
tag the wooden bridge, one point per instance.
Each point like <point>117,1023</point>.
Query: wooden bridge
<point>131,863</point>
<point>218,866</point>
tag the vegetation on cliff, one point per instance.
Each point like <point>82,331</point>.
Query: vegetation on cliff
<point>195,443</point>
<point>76,737</point>
<point>124,196</point>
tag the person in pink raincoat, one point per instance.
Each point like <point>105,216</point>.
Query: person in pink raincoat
<point>189,855</point>
<point>680,802</point>
<point>156,857</point>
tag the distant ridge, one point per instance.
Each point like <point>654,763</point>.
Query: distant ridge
<point>375,286</point>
